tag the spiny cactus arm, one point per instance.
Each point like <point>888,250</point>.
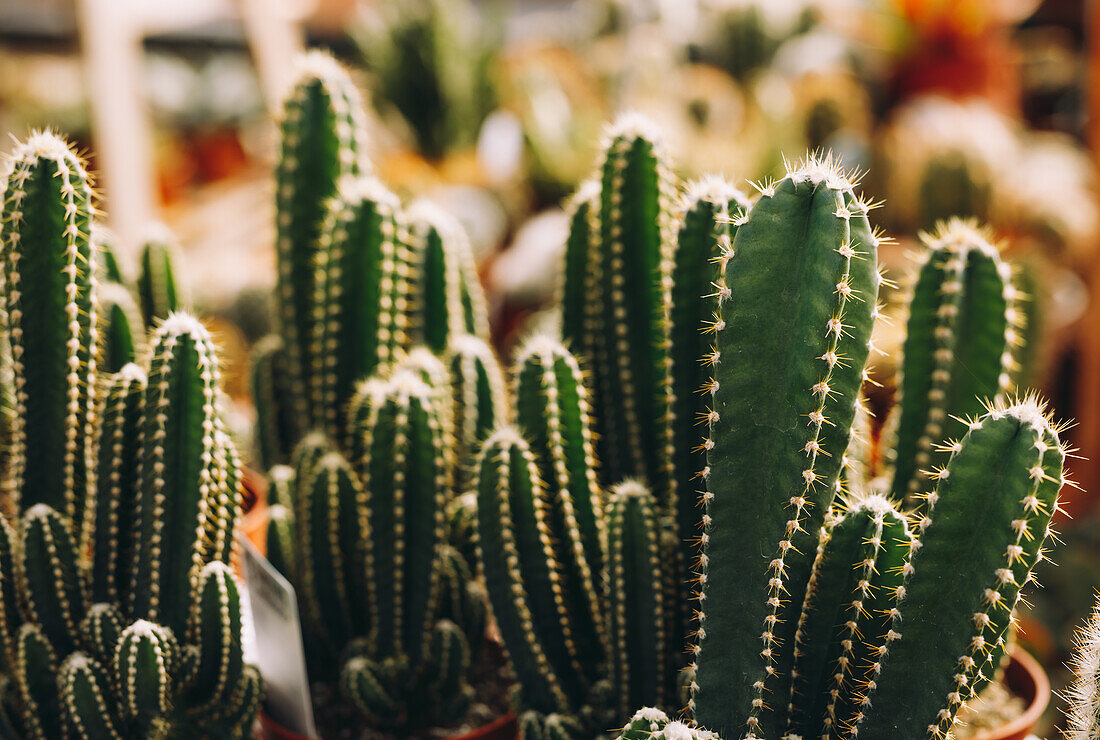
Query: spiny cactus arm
<point>448,297</point>
<point>462,523</point>
<point>334,529</point>
<point>555,726</point>
<point>121,329</point>
<point>634,393</point>
<point>431,369</point>
<point>54,588</point>
<point>244,704</point>
<point>361,291</point>
<point>321,136</point>
<point>11,615</point>
<point>712,211</point>
<point>639,644</point>
<point>221,527</point>
<point>960,335</point>
<point>448,660</point>
<point>575,297</point>
<point>516,558</point>
<point>100,630</point>
<point>849,617</point>
<point>973,558</point>
<point>1083,696</point>
<point>158,285</point>
<point>478,400</point>
<point>87,699</point>
<point>277,427</point>
<point>51,313</point>
<point>792,334</point>
<point>280,543</point>
<point>407,479</point>
<point>552,414</point>
<point>36,677</point>
<point>366,684</point>
<point>216,629</point>
<point>144,658</point>
<point>110,269</point>
<point>462,599</point>
<point>179,481</point>
<point>114,513</point>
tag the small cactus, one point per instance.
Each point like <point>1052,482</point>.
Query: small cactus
<point>121,329</point>
<point>136,522</point>
<point>158,283</point>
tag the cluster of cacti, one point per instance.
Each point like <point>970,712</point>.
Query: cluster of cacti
<point>119,615</point>
<point>366,521</point>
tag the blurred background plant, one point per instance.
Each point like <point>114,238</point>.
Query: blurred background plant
<point>493,108</point>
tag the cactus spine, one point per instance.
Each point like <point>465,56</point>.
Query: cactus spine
<point>82,561</point>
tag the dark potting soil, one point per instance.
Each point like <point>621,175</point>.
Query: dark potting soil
<point>491,678</point>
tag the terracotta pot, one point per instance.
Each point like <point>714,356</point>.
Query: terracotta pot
<point>1025,678</point>
<point>503,728</point>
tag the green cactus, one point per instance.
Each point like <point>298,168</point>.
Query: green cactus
<point>1083,696</point>
<point>110,267</point>
<point>321,137</point>
<point>446,297</point>
<point>478,400</point>
<point>361,293</point>
<point>577,261</point>
<point>960,336</point>
<point>136,520</point>
<point>277,427</point>
<point>121,330</point>
<point>158,282</point>
<point>712,210</point>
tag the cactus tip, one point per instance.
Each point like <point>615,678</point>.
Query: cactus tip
<point>817,168</point>
<point>633,125</point>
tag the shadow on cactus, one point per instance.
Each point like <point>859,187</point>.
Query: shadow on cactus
<point>119,615</point>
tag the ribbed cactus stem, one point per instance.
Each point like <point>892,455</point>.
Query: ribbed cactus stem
<point>521,574</point>
<point>639,643</point>
<point>960,335</point>
<point>632,364</point>
<point>1084,694</point>
<point>850,618</point>
<point>446,295</point>
<point>321,135</point>
<point>56,596</point>
<point>989,518</point>
<point>51,315</point>
<point>180,487</point>
<point>575,298</point>
<point>121,329</point>
<point>159,286</point>
<point>361,291</point>
<point>277,427</point>
<point>116,507</point>
<point>478,400</point>
<point>792,336</point>
<point>144,658</point>
<point>712,211</point>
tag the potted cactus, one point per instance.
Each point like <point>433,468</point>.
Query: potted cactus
<point>726,343</point>
<point>119,614</point>
<point>369,400</point>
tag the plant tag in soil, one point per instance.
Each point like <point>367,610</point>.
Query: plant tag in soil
<point>278,643</point>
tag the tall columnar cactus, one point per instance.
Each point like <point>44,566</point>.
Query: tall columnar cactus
<point>577,262</point>
<point>276,428</point>
<point>158,283</point>
<point>712,211</point>
<point>960,335</point>
<point>361,294</point>
<point>78,570</point>
<point>446,295</point>
<point>478,400</point>
<point>783,397</point>
<point>121,328</point>
<point>321,137</point>
<point>366,547</point>
<point>50,297</point>
<point>625,334</point>
<point>1084,694</point>
<point>976,554</point>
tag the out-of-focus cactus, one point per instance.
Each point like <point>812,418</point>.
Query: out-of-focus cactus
<point>100,539</point>
<point>159,285</point>
<point>122,331</point>
<point>1084,695</point>
<point>743,36</point>
<point>478,400</point>
<point>446,298</point>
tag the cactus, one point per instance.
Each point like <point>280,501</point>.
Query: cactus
<point>276,425</point>
<point>478,400</point>
<point>446,295</point>
<point>158,280</point>
<point>121,329</point>
<point>960,336</point>
<point>361,291</point>
<point>1083,696</point>
<point>321,135</point>
<point>576,263</point>
<point>91,549</point>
